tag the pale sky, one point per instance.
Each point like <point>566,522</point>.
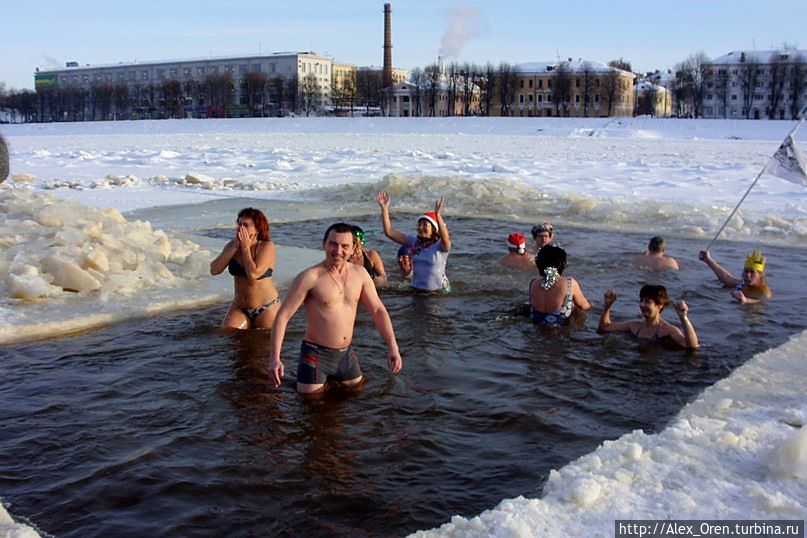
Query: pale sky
<point>650,34</point>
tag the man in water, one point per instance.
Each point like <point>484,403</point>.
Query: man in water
<point>517,257</point>
<point>654,258</point>
<point>331,291</point>
<point>542,235</point>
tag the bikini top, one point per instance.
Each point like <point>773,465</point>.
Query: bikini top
<point>652,338</point>
<point>236,269</point>
<point>368,265</point>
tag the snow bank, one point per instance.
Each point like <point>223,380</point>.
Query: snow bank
<point>9,529</point>
<point>54,248</point>
<point>738,452</point>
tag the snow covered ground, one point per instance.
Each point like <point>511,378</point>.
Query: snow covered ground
<point>739,451</point>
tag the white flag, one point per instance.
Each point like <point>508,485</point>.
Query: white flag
<point>788,164</point>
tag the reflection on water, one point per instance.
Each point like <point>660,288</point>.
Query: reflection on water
<point>167,426</point>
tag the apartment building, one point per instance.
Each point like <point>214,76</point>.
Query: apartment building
<point>140,89</point>
<point>756,85</point>
<point>570,89</point>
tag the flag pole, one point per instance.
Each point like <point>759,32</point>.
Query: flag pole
<point>796,128</point>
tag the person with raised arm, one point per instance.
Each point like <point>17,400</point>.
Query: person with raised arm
<point>428,249</point>
<point>652,300</point>
<point>250,258</point>
<point>331,291</point>
<point>752,287</point>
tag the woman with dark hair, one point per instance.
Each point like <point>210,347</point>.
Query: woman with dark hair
<point>652,300</point>
<point>552,300</point>
<point>369,259</point>
<point>250,258</point>
<point>428,249</point>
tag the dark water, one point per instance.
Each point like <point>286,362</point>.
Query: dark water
<point>164,426</point>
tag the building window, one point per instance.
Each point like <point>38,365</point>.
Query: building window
<point>577,98</point>
<point>98,76</point>
<point>200,71</point>
<point>540,98</point>
<point>186,71</point>
<point>228,68</point>
<point>132,75</point>
<point>174,73</point>
<point>108,77</point>
<point>521,84</point>
<point>597,98</point>
<point>530,84</point>
<point>540,83</point>
<point>734,97</point>
<point>121,77</point>
<point>161,74</point>
<point>85,78</point>
<point>272,67</point>
<point>596,83</point>
<point>549,83</point>
<point>242,68</point>
<point>577,83</point>
<point>144,75</point>
<point>256,68</point>
<point>521,98</point>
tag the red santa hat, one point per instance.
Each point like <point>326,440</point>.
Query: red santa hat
<point>431,217</point>
<point>517,241</point>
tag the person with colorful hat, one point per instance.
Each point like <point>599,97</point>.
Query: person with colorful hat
<point>752,287</point>
<point>542,235</point>
<point>369,259</point>
<point>428,249</point>
<point>517,257</point>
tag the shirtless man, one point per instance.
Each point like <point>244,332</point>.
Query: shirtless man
<point>517,257</point>
<point>654,258</point>
<point>331,291</point>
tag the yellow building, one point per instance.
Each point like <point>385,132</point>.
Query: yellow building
<point>569,89</point>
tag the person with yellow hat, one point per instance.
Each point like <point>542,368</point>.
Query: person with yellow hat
<point>752,287</point>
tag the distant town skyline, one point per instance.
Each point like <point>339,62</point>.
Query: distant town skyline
<point>650,35</point>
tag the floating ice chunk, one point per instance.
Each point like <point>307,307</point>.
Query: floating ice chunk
<point>96,259</point>
<point>790,458</point>
<point>30,287</point>
<point>194,178</point>
<point>23,178</point>
<point>196,264</point>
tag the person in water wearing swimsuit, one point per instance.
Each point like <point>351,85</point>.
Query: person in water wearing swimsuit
<point>517,257</point>
<point>652,300</point>
<point>552,300</point>
<point>250,258</point>
<point>369,259</point>
<point>542,235</point>
<point>331,292</point>
<point>404,262</point>
<point>654,258</point>
<point>753,287</point>
<point>428,249</point>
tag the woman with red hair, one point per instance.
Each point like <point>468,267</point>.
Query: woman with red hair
<point>250,258</point>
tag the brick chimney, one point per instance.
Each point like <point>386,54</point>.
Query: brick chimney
<point>386,78</point>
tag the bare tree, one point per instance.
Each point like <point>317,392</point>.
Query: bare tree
<point>418,79</point>
<point>587,75</point>
<point>622,64</point>
<point>220,90</point>
<point>368,88</point>
<point>610,88</point>
<point>779,64</point>
<point>488,78</point>
<point>309,94</point>
<point>562,89</point>
<point>254,87</point>
<point>506,82</point>
<point>433,76</point>
<point>798,81</point>
<point>171,91</point>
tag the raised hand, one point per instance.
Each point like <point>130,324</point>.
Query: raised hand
<point>704,256</point>
<point>383,199</point>
<point>438,205</point>
<point>682,308</point>
<point>609,298</point>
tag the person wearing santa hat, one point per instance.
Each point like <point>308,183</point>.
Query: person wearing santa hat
<point>428,249</point>
<point>517,257</point>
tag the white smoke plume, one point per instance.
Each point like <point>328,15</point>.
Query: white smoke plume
<point>51,61</point>
<point>465,22</point>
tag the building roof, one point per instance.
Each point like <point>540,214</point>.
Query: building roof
<point>755,56</point>
<point>573,67</point>
<point>136,63</point>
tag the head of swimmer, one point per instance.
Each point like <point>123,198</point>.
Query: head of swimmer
<point>339,242</point>
<point>652,300</point>
<point>255,223</point>
<point>542,234</point>
<point>752,277</point>
<point>427,230</point>
<point>550,256</point>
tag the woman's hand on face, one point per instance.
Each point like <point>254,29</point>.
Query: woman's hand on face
<point>244,239</point>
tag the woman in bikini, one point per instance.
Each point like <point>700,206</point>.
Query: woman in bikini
<point>752,287</point>
<point>652,300</point>
<point>250,258</point>
<point>553,298</point>
<point>369,259</point>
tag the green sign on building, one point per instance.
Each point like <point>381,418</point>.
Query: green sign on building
<point>45,81</point>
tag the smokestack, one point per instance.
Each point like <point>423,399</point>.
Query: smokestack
<point>386,76</point>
